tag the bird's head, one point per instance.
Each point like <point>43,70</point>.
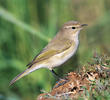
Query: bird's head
<point>72,27</point>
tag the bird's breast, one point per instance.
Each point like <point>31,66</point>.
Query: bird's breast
<point>60,58</point>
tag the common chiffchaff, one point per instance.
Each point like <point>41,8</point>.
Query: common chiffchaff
<point>59,49</point>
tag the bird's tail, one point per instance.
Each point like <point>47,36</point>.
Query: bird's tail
<point>27,71</point>
<point>19,76</point>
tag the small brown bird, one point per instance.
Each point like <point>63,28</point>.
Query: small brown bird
<point>59,49</point>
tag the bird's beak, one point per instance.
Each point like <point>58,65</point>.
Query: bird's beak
<point>84,25</point>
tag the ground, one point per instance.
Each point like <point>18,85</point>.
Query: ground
<point>92,82</point>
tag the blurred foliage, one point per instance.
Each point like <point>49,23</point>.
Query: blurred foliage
<point>26,26</point>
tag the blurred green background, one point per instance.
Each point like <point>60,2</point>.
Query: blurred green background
<point>26,26</point>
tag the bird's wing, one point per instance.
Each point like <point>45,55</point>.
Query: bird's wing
<point>51,50</point>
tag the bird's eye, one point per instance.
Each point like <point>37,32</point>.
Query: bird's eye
<point>73,27</point>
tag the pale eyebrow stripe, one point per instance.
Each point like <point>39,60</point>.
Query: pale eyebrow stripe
<point>70,26</point>
<point>67,26</point>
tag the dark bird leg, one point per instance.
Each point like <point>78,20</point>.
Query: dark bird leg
<point>56,76</point>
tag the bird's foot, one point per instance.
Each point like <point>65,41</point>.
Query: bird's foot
<point>61,82</point>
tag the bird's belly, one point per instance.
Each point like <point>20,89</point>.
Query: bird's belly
<point>59,59</point>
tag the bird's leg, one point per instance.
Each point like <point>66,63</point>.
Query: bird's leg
<point>55,74</point>
<point>61,82</point>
